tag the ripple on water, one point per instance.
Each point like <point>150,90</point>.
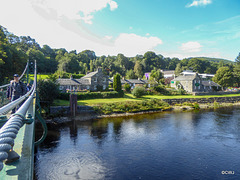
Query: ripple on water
<point>71,165</point>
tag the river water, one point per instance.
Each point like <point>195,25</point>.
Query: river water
<point>188,145</point>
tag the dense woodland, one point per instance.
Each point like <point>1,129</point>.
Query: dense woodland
<point>15,51</point>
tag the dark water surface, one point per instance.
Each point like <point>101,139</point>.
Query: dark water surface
<point>189,145</point>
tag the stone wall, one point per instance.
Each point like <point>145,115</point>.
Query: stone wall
<point>213,93</point>
<point>204,100</point>
<point>65,110</point>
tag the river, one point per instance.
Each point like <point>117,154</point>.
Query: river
<point>187,145</point>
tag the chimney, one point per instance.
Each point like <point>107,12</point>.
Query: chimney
<point>139,78</point>
<point>123,78</point>
<point>71,77</point>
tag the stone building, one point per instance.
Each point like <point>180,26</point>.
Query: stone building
<point>132,82</point>
<point>92,81</point>
<point>194,83</point>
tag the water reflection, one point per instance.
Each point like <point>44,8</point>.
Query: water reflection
<point>190,145</point>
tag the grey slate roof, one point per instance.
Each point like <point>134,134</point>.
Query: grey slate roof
<point>68,82</point>
<point>184,78</point>
<point>131,81</point>
<point>134,81</point>
<point>210,83</point>
<point>168,72</point>
<point>90,74</point>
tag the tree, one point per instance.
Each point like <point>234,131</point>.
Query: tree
<point>178,69</point>
<point>157,76</point>
<point>238,58</point>
<point>224,77</point>
<point>237,70</point>
<point>138,69</point>
<point>130,74</point>
<point>117,86</point>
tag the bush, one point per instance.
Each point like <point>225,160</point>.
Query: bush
<point>48,90</point>
<point>127,87</point>
<point>196,106</point>
<point>161,89</point>
<point>138,92</point>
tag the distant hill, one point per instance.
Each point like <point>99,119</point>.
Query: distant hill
<point>214,59</point>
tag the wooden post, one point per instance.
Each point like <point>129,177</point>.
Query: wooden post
<point>73,104</point>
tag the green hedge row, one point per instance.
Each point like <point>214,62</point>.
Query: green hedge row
<point>93,95</point>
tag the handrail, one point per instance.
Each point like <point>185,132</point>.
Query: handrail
<point>6,85</point>
<point>10,129</point>
<point>5,109</point>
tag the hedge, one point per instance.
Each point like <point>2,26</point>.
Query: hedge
<point>92,95</point>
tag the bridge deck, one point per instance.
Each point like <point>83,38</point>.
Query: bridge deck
<point>24,146</point>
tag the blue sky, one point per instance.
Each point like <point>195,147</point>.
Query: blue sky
<point>173,28</point>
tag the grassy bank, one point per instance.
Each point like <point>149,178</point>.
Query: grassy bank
<point>130,97</point>
<point>132,106</point>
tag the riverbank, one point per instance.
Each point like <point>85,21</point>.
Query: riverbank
<point>87,113</point>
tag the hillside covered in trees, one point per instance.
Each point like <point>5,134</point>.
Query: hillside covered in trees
<point>15,51</point>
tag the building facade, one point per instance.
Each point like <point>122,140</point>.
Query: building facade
<point>92,81</point>
<point>194,83</point>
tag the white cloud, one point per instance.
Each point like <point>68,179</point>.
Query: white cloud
<point>113,5</point>
<point>199,3</point>
<point>74,9</point>
<point>108,37</point>
<point>132,44</point>
<point>48,27</point>
<point>191,46</point>
<point>182,55</point>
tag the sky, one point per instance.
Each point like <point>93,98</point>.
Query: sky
<point>173,28</point>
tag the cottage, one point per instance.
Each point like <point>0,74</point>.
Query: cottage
<point>193,83</point>
<point>92,81</point>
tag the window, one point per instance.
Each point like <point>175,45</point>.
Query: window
<point>104,87</point>
<point>87,87</point>
<point>95,79</point>
<point>104,79</point>
<point>95,87</point>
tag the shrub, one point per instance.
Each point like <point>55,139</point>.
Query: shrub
<point>161,89</point>
<point>216,105</point>
<point>181,91</point>
<point>127,87</point>
<point>196,106</point>
<point>138,92</point>
<point>99,88</point>
<point>48,90</point>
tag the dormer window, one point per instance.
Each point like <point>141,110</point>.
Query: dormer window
<point>104,79</point>
<point>95,79</point>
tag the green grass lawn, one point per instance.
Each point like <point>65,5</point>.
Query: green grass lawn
<point>130,97</point>
<point>39,76</point>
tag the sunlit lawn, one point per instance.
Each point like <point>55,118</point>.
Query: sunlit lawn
<point>130,97</point>
<point>39,76</point>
